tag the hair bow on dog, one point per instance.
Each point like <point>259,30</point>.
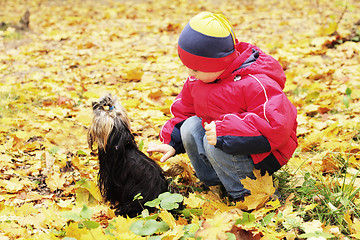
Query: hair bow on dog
<point>108,108</point>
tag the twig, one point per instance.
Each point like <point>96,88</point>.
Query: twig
<point>341,16</point>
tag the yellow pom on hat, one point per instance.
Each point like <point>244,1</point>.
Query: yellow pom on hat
<point>211,24</point>
<point>207,43</point>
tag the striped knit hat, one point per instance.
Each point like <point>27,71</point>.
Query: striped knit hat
<point>207,43</point>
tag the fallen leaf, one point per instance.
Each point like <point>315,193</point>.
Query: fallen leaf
<point>55,181</point>
<point>216,228</point>
<point>261,189</point>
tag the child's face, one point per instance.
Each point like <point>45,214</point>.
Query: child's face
<point>206,77</point>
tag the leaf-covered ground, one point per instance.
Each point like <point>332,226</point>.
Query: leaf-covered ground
<point>73,52</point>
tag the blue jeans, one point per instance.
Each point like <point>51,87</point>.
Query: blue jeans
<point>212,165</point>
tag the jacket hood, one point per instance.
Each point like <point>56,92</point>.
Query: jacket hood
<point>251,60</point>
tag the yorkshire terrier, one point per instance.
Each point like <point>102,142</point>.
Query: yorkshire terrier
<point>124,171</point>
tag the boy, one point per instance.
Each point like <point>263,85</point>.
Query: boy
<point>232,114</point>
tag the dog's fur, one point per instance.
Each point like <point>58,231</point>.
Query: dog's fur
<point>125,171</point>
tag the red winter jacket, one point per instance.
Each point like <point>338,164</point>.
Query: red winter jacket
<point>252,114</point>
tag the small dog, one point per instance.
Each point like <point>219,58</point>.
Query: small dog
<point>125,171</point>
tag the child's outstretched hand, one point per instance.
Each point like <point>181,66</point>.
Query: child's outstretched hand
<point>211,133</point>
<point>165,149</point>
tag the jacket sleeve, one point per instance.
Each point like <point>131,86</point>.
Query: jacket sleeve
<point>266,125</point>
<point>181,109</point>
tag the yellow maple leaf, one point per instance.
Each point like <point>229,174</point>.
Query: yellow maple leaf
<point>122,226</point>
<point>327,29</point>
<point>13,230</point>
<point>261,189</point>
<point>193,201</point>
<point>14,185</point>
<point>55,181</point>
<point>131,103</point>
<point>312,227</point>
<point>44,236</point>
<point>91,95</point>
<point>176,233</point>
<point>35,220</point>
<point>270,235</point>
<point>134,73</point>
<point>355,229</point>
<point>216,228</point>
<point>88,193</point>
<point>94,190</point>
<point>53,217</point>
<point>65,204</point>
<point>168,218</point>
<point>269,206</point>
<point>354,161</point>
<point>73,230</point>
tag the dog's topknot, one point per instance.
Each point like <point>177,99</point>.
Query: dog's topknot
<point>106,112</point>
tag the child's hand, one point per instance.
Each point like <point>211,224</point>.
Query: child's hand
<point>166,149</point>
<point>211,133</point>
